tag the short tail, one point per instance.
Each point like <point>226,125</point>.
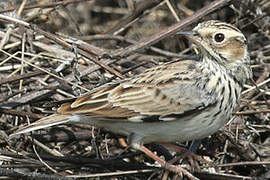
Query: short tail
<point>45,122</point>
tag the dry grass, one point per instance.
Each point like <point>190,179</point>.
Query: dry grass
<point>54,51</point>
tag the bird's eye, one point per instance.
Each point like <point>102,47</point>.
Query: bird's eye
<point>219,37</point>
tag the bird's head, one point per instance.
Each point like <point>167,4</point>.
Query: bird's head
<point>224,42</point>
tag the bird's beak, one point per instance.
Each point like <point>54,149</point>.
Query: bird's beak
<point>192,35</point>
<point>187,33</point>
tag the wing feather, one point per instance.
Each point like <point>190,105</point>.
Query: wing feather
<point>160,92</point>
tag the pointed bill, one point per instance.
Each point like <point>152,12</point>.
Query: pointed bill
<point>191,35</point>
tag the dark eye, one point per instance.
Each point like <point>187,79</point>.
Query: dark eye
<point>219,37</point>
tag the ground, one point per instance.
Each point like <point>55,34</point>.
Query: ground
<point>52,51</point>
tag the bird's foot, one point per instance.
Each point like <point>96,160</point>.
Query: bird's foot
<point>167,165</point>
<point>193,159</point>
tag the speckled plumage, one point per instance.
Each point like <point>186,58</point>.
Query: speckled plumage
<point>176,101</point>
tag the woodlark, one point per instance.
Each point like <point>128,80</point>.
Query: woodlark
<point>177,101</point>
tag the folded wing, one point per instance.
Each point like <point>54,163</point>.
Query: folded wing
<point>159,92</point>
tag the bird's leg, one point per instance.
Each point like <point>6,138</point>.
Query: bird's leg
<point>185,153</point>
<point>170,167</point>
<point>195,144</point>
<point>135,141</point>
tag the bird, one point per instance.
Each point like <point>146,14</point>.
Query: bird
<point>176,101</point>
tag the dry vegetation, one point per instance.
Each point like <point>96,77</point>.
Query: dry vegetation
<point>51,51</point>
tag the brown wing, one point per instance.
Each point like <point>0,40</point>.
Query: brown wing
<point>158,92</point>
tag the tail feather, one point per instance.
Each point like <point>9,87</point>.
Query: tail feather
<point>45,122</point>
